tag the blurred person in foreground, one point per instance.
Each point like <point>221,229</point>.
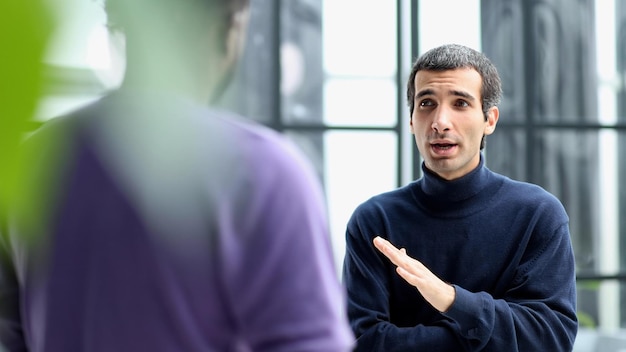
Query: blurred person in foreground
<point>462,259</point>
<point>165,225</point>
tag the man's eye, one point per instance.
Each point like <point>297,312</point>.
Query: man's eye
<point>461,103</point>
<point>426,102</point>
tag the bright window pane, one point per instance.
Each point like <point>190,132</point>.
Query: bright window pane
<point>448,21</point>
<point>357,165</point>
<point>360,102</point>
<point>359,37</point>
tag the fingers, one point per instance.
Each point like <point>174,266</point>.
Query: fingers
<point>407,267</point>
<point>407,276</point>
<point>395,255</point>
<point>438,293</point>
<point>389,250</point>
<point>410,266</point>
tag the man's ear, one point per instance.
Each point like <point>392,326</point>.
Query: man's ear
<point>236,34</point>
<point>492,119</point>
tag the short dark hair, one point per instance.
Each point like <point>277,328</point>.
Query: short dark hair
<point>119,12</point>
<point>453,56</point>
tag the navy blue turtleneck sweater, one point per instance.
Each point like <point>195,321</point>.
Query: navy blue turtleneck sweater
<point>503,244</point>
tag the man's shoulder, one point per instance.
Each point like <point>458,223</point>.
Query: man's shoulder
<point>387,200</point>
<point>247,130</point>
<point>263,147</point>
<point>528,193</point>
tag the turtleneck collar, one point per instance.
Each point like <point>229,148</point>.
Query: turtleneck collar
<point>457,190</point>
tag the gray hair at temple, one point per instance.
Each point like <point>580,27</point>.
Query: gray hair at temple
<point>453,56</point>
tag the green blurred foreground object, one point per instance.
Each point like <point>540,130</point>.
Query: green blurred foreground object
<point>25,27</point>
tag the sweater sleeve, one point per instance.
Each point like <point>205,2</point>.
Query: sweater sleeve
<point>367,282</point>
<point>537,313</point>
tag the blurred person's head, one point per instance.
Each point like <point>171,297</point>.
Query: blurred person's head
<point>184,46</point>
<point>453,56</point>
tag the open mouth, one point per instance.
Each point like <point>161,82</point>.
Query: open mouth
<point>443,146</point>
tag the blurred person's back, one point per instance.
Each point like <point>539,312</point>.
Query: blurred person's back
<point>164,225</point>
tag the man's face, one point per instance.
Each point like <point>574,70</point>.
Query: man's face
<point>448,121</point>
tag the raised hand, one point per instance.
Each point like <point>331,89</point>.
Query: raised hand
<point>435,291</point>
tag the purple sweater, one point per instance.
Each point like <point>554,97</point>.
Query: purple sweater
<point>170,228</point>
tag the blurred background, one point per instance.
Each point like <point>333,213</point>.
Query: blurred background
<point>331,75</point>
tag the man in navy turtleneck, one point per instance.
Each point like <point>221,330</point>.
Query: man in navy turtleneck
<point>462,259</point>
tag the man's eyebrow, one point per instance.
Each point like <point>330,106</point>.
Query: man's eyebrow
<point>421,93</point>
<point>458,93</point>
<point>462,94</point>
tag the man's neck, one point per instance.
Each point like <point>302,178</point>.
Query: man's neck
<point>171,70</point>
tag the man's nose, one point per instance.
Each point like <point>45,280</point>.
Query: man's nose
<point>441,121</point>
